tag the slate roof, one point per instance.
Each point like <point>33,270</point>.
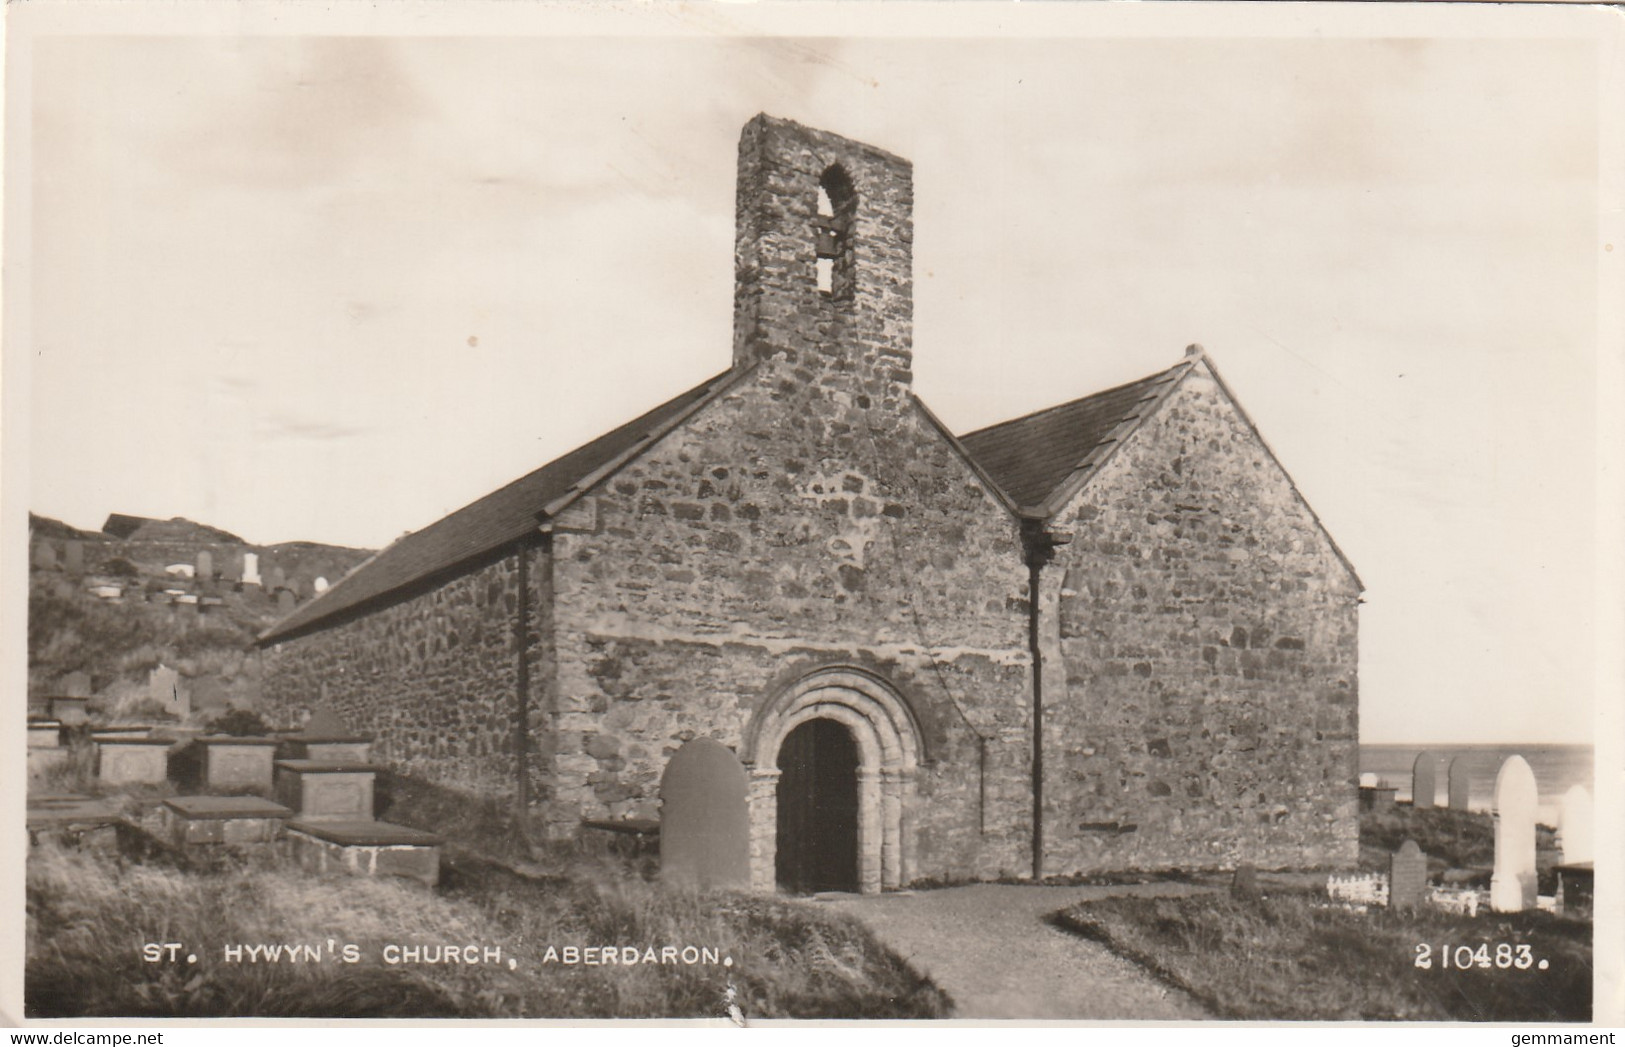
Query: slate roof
<point>1031,457</point>
<point>491,523</point>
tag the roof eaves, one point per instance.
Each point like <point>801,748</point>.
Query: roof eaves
<point>304,618</point>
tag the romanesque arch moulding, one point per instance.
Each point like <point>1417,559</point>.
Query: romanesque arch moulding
<point>889,750</point>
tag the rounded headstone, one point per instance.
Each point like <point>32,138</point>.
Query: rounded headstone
<point>1512,886</point>
<point>1460,782</point>
<point>1424,790</point>
<point>704,821</point>
<point>1577,826</point>
<point>1407,876</point>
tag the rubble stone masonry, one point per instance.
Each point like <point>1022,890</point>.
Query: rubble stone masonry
<point>1207,712</point>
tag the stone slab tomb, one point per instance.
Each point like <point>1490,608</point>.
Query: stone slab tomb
<point>1377,798</point>
<point>327,737</point>
<point>228,820</point>
<point>232,764</point>
<point>71,710</point>
<point>1424,789</point>
<point>1512,885</point>
<point>323,790</point>
<point>333,748</point>
<point>132,761</point>
<point>125,730</point>
<point>42,761</point>
<point>365,848</point>
<point>704,819</point>
<point>44,734</point>
<point>1576,888</point>
<point>72,820</point>
<point>1407,877</point>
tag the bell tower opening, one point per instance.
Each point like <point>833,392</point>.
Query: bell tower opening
<point>832,227</point>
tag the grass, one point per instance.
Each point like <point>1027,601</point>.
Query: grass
<point>1463,841</point>
<point>1290,957</point>
<point>89,915</point>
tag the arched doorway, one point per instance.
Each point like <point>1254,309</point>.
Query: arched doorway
<point>877,723</point>
<point>817,809</point>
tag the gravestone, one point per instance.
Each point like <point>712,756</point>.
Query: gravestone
<point>321,585</point>
<point>1460,790</point>
<point>704,824</point>
<point>205,565</point>
<point>164,687</point>
<point>1575,835</point>
<point>1512,886</point>
<point>1407,877</point>
<point>74,685</point>
<point>276,579</point>
<point>251,569</point>
<point>1368,780</point>
<point>285,601</point>
<point>1244,884</point>
<point>73,557</point>
<point>44,555</point>
<point>1424,791</point>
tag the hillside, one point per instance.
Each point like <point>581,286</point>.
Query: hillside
<point>156,618</point>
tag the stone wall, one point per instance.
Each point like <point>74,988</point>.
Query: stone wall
<point>433,678</point>
<point>812,516</point>
<point>1204,710</point>
<point>752,546</point>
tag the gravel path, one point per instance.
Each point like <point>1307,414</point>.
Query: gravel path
<point>989,947</point>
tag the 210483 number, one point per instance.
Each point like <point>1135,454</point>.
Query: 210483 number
<point>1461,957</point>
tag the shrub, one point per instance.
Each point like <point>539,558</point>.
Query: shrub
<point>242,723</point>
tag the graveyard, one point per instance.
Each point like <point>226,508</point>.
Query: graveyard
<point>153,619</point>
<point>1454,915</point>
<point>251,875</point>
<point>176,841</point>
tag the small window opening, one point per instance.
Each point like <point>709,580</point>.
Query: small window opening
<point>837,202</point>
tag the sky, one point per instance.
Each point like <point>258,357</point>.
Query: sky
<point>333,287</point>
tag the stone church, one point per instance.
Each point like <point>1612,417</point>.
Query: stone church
<point>1108,635</point>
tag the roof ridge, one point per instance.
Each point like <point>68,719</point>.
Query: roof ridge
<point>1086,467</point>
<point>1070,403</point>
<point>467,533</point>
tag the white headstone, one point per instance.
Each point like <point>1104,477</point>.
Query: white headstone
<point>1575,837</point>
<point>1512,886</point>
<point>1368,780</point>
<point>251,569</point>
<point>321,585</point>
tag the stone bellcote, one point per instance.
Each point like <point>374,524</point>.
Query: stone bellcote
<point>823,261</point>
